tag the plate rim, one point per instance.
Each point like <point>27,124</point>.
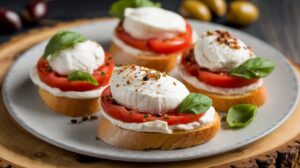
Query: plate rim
<point>131,159</point>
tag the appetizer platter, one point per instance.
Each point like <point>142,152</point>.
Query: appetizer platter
<point>150,87</point>
<point>34,116</point>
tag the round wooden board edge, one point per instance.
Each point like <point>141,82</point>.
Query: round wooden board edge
<point>287,155</point>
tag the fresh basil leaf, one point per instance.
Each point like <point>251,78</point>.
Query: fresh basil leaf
<point>241,115</point>
<point>82,76</point>
<point>253,68</point>
<point>195,103</point>
<point>62,40</point>
<point>117,9</point>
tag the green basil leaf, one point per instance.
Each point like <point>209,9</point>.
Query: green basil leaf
<point>253,68</point>
<point>195,103</point>
<point>117,9</point>
<point>241,115</point>
<point>62,40</point>
<point>82,76</point>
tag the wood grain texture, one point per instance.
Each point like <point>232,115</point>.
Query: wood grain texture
<point>20,149</point>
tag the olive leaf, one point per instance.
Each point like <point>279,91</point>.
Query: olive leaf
<point>241,115</point>
<point>82,76</point>
<point>117,9</point>
<point>195,103</point>
<point>253,68</point>
<point>62,40</point>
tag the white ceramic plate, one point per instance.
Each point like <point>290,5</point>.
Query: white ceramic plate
<point>23,103</point>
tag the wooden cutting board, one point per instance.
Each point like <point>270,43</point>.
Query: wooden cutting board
<point>18,148</point>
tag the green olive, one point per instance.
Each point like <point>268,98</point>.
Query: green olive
<point>195,9</point>
<point>242,13</point>
<point>218,7</point>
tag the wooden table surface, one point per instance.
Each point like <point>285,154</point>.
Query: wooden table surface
<point>278,25</point>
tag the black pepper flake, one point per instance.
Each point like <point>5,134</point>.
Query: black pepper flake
<point>109,58</point>
<point>117,85</point>
<point>102,73</point>
<point>145,78</point>
<point>93,117</point>
<point>73,121</point>
<point>128,82</point>
<point>174,83</point>
<point>158,114</point>
<point>84,118</point>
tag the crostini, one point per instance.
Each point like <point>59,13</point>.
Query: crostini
<point>145,109</point>
<point>72,73</point>
<point>151,37</point>
<point>225,69</point>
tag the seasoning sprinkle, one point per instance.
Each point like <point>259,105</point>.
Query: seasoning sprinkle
<point>224,37</point>
<point>84,118</point>
<point>73,121</point>
<point>145,78</point>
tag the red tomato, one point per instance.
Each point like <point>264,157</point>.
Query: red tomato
<point>177,44</point>
<point>217,79</point>
<point>167,46</point>
<point>102,75</point>
<point>112,108</point>
<point>223,79</point>
<point>136,43</point>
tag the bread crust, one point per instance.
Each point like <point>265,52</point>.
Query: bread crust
<point>164,63</point>
<point>68,106</point>
<point>224,102</point>
<point>133,140</point>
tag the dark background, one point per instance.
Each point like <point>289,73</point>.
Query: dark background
<point>279,22</point>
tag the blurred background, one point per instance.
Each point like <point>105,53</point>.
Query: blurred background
<point>278,22</point>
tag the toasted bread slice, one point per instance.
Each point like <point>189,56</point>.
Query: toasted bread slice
<point>164,63</point>
<point>133,140</point>
<point>224,102</point>
<point>68,106</point>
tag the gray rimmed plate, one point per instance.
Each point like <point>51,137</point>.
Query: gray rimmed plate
<point>24,104</point>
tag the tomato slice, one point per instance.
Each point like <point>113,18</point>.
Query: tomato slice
<point>167,46</point>
<point>119,112</point>
<point>223,80</point>
<point>51,78</point>
<point>176,44</point>
<point>217,79</point>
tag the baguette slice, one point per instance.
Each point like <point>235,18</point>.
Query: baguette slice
<point>133,140</point>
<point>68,106</point>
<point>163,63</point>
<point>224,102</point>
